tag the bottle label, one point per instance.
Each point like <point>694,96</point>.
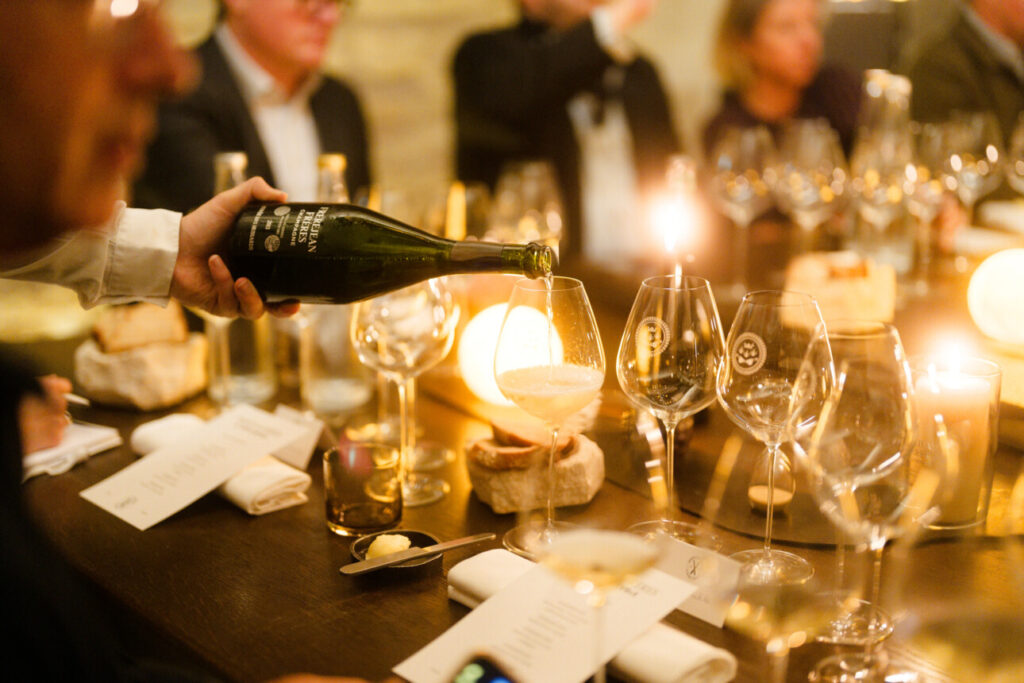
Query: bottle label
<point>285,228</point>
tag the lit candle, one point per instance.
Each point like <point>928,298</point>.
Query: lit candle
<point>964,401</point>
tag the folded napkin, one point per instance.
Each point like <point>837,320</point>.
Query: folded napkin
<point>662,655</point>
<point>264,486</point>
<point>79,442</point>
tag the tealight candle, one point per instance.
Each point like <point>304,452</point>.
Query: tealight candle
<point>966,395</point>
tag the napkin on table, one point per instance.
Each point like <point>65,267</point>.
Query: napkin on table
<point>662,655</point>
<point>79,442</point>
<point>264,486</point>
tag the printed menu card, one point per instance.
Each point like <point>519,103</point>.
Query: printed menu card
<point>172,477</point>
<point>542,630</point>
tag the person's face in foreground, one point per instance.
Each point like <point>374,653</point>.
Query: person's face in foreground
<point>80,82</point>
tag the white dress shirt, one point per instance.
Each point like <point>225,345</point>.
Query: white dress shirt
<point>285,124</point>
<point>131,258</point>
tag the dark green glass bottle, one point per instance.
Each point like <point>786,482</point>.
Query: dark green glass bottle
<point>340,253</point>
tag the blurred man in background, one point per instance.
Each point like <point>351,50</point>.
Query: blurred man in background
<point>260,93</point>
<point>977,65</point>
<point>564,85</point>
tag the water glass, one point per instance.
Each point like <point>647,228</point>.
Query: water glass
<point>240,363</point>
<point>333,381</point>
<point>362,488</point>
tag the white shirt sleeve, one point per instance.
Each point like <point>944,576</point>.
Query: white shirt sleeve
<point>131,258</point>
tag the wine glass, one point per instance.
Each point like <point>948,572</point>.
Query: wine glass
<point>596,561</point>
<point>924,190</point>
<point>862,452</point>
<point>810,176</point>
<point>1015,157</point>
<point>738,186</point>
<point>668,357</point>
<point>402,334</point>
<point>873,352</point>
<point>973,155</point>
<point>766,344</point>
<point>878,175</point>
<point>551,371</point>
<point>527,204</point>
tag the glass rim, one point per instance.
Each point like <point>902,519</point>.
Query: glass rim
<point>698,283</point>
<point>864,328</point>
<point>973,366</point>
<point>559,283</point>
<point>781,294</point>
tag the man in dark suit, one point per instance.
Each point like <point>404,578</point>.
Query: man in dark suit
<point>978,65</point>
<point>538,89</point>
<point>261,94</point>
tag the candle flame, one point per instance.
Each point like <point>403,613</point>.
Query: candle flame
<point>675,220</point>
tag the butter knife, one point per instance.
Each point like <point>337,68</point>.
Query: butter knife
<point>364,566</point>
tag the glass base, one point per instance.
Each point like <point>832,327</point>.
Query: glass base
<point>431,455</point>
<point>775,566</point>
<point>528,540</point>
<point>693,534</point>
<point>858,667</point>
<point>379,432</point>
<point>866,625</point>
<point>422,489</point>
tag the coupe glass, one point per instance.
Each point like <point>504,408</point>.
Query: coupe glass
<point>551,370</point>
<point>403,334</point>
<point>766,344</point>
<point>669,354</point>
<point>740,189</point>
<point>810,177</point>
<point>861,452</point>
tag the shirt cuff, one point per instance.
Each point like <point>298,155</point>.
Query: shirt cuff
<point>610,40</point>
<point>143,250</point>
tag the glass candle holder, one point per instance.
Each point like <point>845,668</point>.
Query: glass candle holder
<point>965,393</point>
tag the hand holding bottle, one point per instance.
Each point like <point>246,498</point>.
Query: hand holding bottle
<point>201,277</point>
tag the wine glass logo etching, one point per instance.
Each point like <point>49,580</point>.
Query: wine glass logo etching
<point>654,334</point>
<point>748,353</point>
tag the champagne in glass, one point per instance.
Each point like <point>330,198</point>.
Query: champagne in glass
<point>668,357</point>
<point>551,385</point>
<point>766,344</point>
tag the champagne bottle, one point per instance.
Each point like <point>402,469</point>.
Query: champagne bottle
<point>341,253</point>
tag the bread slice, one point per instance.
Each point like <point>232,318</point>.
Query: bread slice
<point>130,326</point>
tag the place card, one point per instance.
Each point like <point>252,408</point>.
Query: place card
<point>174,476</point>
<point>540,629</point>
<point>715,577</point>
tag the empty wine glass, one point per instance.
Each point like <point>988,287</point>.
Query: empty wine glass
<point>924,190</point>
<point>766,344</point>
<point>810,176</point>
<point>973,156</point>
<point>861,451</point>
<point>527,205</point>
<point>668,357</point>
<point>1015,157</point>
<point>551,371</point>
<point>739,188</point>
<point>878,175</point>
<point>402,334</point>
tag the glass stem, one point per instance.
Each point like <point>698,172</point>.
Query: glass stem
<point>410,416</point>
<point>778,662</point>
<point>670,482</point>
<point>382,399</point>
<point>876,584</point>
<point>773,453</point>
<point>403,431</point>
<point>550,520</point>
<point>597,601</point>
<point>840,565</point>
<point>742,247</point>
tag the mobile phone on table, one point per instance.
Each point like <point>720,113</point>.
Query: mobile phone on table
<point>482,669</point>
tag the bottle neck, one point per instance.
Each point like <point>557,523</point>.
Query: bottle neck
<point>532,260</point>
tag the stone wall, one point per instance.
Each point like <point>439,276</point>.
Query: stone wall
<point>397,54</point>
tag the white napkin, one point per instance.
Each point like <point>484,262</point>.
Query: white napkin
<point>1006,215</point>
<point>662,655</point>
<point>79,442</point>
<point>264,486</point>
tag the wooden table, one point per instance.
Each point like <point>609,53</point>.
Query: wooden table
<point>254,597</point>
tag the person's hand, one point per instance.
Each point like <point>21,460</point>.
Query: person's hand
<point>201,278</point>
<point>626,14</point>
<point>42,419</point>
